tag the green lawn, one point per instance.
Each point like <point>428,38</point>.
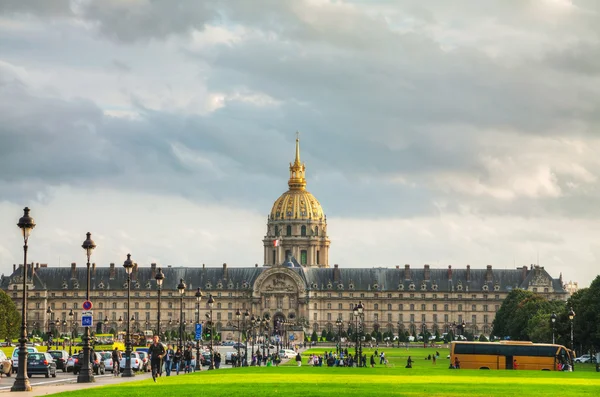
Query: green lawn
<point>424,379</point>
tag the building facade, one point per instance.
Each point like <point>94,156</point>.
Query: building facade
<point>295,286</point>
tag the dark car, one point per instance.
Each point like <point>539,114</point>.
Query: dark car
<point>97,363</point>
<point>41,364</point>
<point>205,359</point>
<point>60,358</point>
<point>240,345</point>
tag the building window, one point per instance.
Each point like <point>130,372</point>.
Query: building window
<point>460,308</point>
<point>328,316</point>
<point>473,308</point>
<point>229,306</point>
<point>400,317</point>
<point>229,316</point>
<point>315,306</point>
<point>423,307</point>
<point>329,306</point>
<point>288,230</point>
<point>303,257</point>
<point>422,296</point>
<point>389,306</point>
<point>315,316</point>
<point>218,305</point>
<point>434,307</point>
<point>496,307</point>
<point>276,230</point>
<point>446,307</point>
<point>318,261</point>
<point>435,318</point>
<point>485,318</point>
<point>389,317</point>
<point>218,315</point>
<point>485,308</point>
<point>497,297</point>
<point>274,256</point>
<point>412,307</point>
<point>376,307</point>
<point>303,231</point>
<point>423,320</point>
<point>147,305</point>
<point>446,318</point>
<point>339,306</point>
<point>473,319</point>
<point>400,307</point>
<point>100,305</point>
<point>137,305</point>
<point>64,305</point>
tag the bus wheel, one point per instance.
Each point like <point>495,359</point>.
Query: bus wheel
<point>484,368</point>
<point>545,369</point>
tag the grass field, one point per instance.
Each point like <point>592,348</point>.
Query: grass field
<point>424,379</point>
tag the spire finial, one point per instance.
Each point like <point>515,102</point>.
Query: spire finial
<point>297,169</point>
<point>297,161</point>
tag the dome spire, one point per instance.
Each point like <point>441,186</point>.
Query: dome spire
<point>297,169</point>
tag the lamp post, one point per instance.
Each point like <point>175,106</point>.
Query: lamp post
<point>553,319</point>
<point>211,302</point>
<point>355,313</point>
<point>160,277</point>
<point>48,330</point>
<point>105,324</point>
<point>181,288</point>
<point>339,344</point>
<point>238,314</point>
<point>399,330</point>
<point>571,317</point>
<point>253,321</point>
<point>71,314</point>
<point>198,296</point>
<point>85,374</point>
<point>267,319</point>
<point>245,326</point>
<point>26,224</point>
<point>360,308</point>
<point>127,371</point>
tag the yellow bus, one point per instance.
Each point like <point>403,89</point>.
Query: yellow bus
<point>511,355</point>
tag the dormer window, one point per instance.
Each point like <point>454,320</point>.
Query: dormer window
<point>329,286</point>
<point>315,286</point>
<point>496,287</point>
<point>400,287</point>
<point>434,287</point>
<point>208,285</point>
<point>351,286</point>
<point>411,286</point>
<point>375,286</point>
<point>340,286</point>
<point>245,284</point>
<point>485,287</point>
<point>219,285</point>
<point>423,287</point>
<point>459,287</point>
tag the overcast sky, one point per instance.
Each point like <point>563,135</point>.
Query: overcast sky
<point>441,132</point>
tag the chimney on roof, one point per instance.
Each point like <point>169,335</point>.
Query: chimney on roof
<point>153,269</point>
<point>489,275</point>
<point>337,277</point>
<point>94,269</point>
<point>203,266</point>
<point>134,271</point>
<point>449,272</point>
<point>37,265</point>
<point>407,272</point>
<point>43,265</point>
<point>111,271</point>
<point>73,270</point>
<point>524,273</point>
<point>225,271</point>
<point>256,265</point>
<point>14,267</point>
<point>397,266</point>
<point>468,272</point>
<point>426,273</point>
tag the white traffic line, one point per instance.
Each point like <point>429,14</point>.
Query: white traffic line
<point>50,382</point>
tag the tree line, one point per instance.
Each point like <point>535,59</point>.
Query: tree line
<point>527,316</point>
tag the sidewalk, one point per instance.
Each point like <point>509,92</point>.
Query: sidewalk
<point>43,390</point>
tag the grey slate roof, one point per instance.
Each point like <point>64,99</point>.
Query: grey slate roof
<point>243,278</point>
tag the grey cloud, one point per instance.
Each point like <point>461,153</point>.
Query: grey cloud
<point>43,8</point>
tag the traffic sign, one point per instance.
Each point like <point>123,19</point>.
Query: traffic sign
<point>87,305</point>
<point>86,321</point>
<point>291,336</point>
<point>198,331</point>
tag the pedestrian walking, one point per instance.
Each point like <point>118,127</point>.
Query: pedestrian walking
<point>156,351</point>
<point>299,359</point>
<point>169,354</point>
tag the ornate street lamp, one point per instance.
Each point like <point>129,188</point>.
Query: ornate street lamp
<point>198,296</point>
<point>71,314</point>
<point>267,319</point>
<point>238,314</point>
<point>252,325</point>
<point>181,288</point>
<point>360,309</point>
<point>160,277</point>
<point>571,317</point>
<point>338,347</point>
<point>105,324</point>
<point>211,302</point>
<point>26,224</point>
<point>553,319</point>
<point>399,330</point>
<point>48,320</point>
<point>85,373</point>
<point>127,371</point>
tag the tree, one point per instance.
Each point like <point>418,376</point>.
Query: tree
<point>586,323</point>
<point>314,337</point>
<point>10,318</point>
<point>324,334</point>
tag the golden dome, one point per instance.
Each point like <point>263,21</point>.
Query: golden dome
<point>297,203</point>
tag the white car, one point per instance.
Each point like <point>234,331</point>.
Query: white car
<point>286,353</point>
<point>136,361</point>
<point>15,357</point>
<point>586,358</point>
<point>108,361</point>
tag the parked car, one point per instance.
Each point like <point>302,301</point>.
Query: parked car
<point>228,343</point>
<point>136,362</point>
<point>71,363</point>
<point>97,364</point>
<point>60,358</point>
<point>241,345</point>
<point>108,361</point>
<point>5,364</point>
<point>15,357</point>
<point>586,358</point>
<point>205,359</point>
<point>145,360</point>
<point>285,353</point>
<point>41,364</point>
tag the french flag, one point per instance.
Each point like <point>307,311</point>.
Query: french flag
<point>276,243</point>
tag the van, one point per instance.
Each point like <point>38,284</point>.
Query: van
<point>286,353</point>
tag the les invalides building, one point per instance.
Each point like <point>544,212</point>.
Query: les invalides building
<point>296,289</point>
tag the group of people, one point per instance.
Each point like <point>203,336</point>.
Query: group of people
<point>331,359</point>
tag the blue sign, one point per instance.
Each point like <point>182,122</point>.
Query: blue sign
<point>292,337</point>
<point>86,321</point>
<point>198,331</point>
